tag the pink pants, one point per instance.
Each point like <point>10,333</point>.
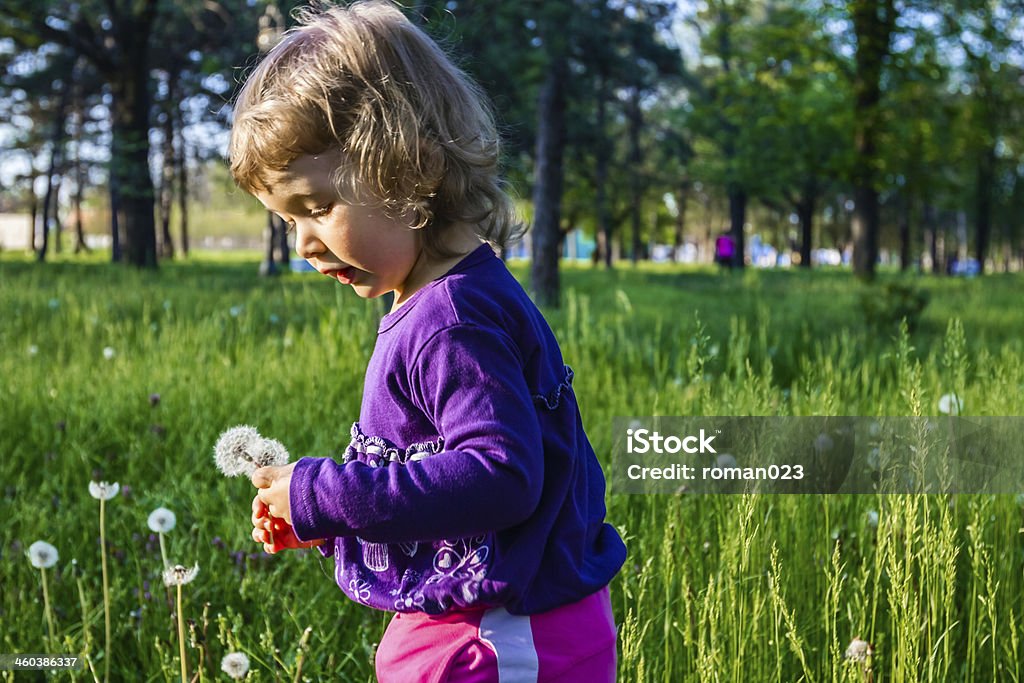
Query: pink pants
<point>570,644</point>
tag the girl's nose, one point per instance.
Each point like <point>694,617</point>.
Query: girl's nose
<point>307,244</point>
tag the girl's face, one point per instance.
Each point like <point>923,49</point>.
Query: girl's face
<point>355,245</point>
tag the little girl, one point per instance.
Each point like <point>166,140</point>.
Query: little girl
<point>469,501</point>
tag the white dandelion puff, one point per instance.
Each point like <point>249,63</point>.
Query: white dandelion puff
<point>101,490</point>
<point>859,650</point>
<point>872,518</point>
<point>42,555</point>
<point>235,664</point>
<point>241,450</point>
<point>33,349</point>
<point>108,352</point>
<point>951,404</point>
<point>161,520</point>
<point>726,461</point>
<point>270,452</point>
<point>179,575</point>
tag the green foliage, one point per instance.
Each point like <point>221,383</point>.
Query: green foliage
<point>715,588</point>
<point>886,306</point>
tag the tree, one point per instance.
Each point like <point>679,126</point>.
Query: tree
<point>873,23</point>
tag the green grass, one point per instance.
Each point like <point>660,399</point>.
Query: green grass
<point>716,588</point>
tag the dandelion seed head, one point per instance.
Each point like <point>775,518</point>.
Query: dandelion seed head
<point>42,555</point>
<point>823,442</point>
<point>872,518</point>
<point>101,490</point>
<point>108,352</point>
<point>179,575</point>
<point>270,453</point>
<point>241,450</point>
<point>235,664</point>
<point>726,460</point>
<point>859,650</point>
<point>951,404</point>
<point>232,451</point>
<point>33,349</point>
<point>161,520</point>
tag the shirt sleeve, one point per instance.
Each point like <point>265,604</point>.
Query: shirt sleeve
<point>469,381</point>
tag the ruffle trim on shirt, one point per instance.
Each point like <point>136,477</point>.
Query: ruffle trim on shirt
<point>378,451</point>
<point>552,398</point>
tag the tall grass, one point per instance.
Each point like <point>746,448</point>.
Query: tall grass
<point>716,588</point>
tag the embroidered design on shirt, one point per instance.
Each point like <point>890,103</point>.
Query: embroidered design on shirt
<point>375,555</point>
<point>377,451</point>
<point>359,590</point>
<point>552,398</point>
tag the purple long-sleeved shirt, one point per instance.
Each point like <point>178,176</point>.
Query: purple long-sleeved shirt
<point>469,480</point>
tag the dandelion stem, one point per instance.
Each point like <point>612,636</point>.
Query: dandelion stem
<point>106,593</point>
<point>181,638</point>
<point>163,550</point>
<point>46,607</point>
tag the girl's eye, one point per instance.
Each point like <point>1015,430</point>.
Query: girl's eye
<point>321,211</point>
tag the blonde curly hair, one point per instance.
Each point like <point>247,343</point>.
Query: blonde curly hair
<point>412,131</point>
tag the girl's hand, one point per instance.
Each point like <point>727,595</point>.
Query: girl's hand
<point>283,534</point>
<point>273,484</point>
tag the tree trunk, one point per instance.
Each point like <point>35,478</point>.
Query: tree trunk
<point>116,254</point>
<point>905,237</point>
<point>603,154</point>
<point>931,233</point>
<point>182,172</point>
<point>865,226</point>
<point>547,191</point>
<point>635,118</point>
<point>76,164</point>
<point>130,153</point>
<point>984,178</point>
<point>684,191</point>
<point>56,151</point>
<point>33,212</point>
<point>80,244</point>
<point>58,227</point>
<point>737,219</point>
<point>873,22</point>
<point>283,252</point>
<point>268,267</point>
<point>167,169</point>
<point>805,214</point>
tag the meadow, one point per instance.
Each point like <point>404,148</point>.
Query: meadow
<point>109,374</point>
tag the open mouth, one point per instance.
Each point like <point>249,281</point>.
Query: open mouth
<point>345,276</point>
